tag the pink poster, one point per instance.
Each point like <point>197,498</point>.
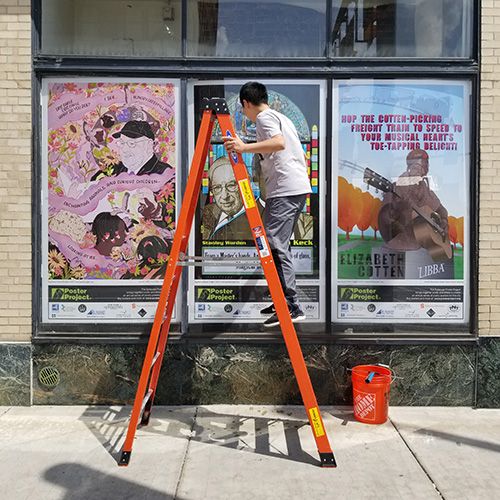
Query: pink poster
<point>111,174</point>
<point>111,180</point>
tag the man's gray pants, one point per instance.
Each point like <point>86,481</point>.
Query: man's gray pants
<point>280,216</point>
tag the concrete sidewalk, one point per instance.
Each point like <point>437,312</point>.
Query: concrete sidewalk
<point>247,452</point>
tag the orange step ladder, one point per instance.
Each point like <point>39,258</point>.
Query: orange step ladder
<point>216,109</point>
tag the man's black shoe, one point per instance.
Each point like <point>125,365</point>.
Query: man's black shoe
<point>268,310</point>
<point>296,315</point>
<point>272,321</point>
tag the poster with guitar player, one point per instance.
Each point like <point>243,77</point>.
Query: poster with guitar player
<point>401,204</point>
<point>228,287</point>
<point>110,157</point>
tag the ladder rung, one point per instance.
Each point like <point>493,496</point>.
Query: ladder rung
<point>155,359</point>
<point>218,259</point>
<point>145,400</point>
<point>222,263</point>
<point>195,260</point>
<point>198,260</point>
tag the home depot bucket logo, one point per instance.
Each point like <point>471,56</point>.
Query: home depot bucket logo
<point>364,405</point>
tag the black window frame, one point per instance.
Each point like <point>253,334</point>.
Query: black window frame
<point>325,68</point>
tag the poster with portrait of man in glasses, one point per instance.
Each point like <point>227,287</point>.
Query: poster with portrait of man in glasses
<point>110,154</point>
<point>230,287</point>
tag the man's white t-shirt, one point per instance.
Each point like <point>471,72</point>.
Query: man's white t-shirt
<point>285,171</point>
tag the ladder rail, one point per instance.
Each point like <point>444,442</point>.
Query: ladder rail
<point>169,288</point>
<point>186,218</point>
<point>277,295</point>
<point>162,342</point>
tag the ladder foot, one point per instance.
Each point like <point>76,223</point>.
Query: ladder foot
<point>125,458</point>
<point>327,460</point>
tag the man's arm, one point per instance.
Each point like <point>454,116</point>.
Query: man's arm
<point>275,143</point>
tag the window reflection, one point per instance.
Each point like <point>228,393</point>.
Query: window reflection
<point>112,27</point>
<point>401,28</point>
<point>232,28</point>
<point>259,29</point>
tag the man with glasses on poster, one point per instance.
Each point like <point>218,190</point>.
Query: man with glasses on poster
<point>135,145</point>
<point>224,219</point>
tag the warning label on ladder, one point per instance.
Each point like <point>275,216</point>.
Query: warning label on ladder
<point>316,422</point>
<point>247,195</point>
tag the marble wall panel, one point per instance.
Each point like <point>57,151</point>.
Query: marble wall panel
<point>196,373</point>
<point>488,373</point>
<point>105,374</point>
<point>15,374</point>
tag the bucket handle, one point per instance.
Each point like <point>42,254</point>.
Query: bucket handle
<point>393,375</point>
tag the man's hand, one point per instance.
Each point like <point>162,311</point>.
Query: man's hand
<point>234,144</point>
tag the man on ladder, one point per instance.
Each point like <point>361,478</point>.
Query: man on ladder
<point>287,185</point>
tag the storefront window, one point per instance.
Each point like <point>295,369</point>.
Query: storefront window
<point>235,293</point>
<point>401,28</point>
<point>381,246</point>
<point>264,29</point>
<point>150,28</point>
<point>229,28</point>
<point>401,204</point>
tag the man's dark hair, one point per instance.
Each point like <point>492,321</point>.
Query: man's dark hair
<point>253,92</point>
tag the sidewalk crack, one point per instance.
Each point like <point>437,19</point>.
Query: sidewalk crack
<point>421,465</point>
<point>184,458</point>
<point>5,411</point>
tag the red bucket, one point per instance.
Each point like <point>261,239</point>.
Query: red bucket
<point>371,386</point>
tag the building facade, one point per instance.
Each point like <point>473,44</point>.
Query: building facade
<point>397,250</point>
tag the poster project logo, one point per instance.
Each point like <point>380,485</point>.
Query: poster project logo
<point>361,294</point>
<point>69,294</point>
<point>216,294</point>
